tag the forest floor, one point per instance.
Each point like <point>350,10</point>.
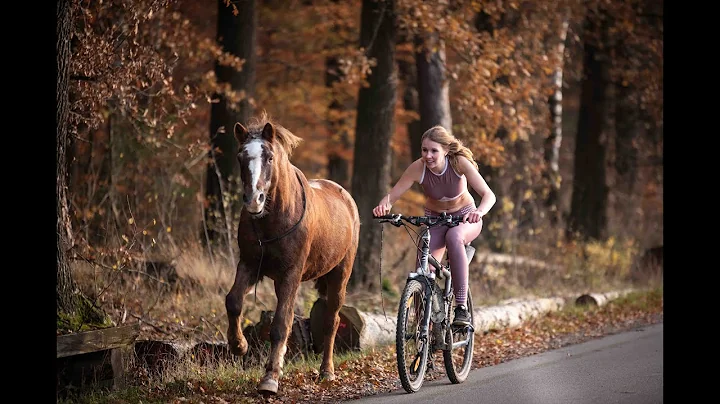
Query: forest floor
<point>375,371</point>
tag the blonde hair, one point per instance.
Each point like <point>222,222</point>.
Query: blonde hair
<point>453,145</point>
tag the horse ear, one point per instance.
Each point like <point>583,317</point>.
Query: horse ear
<point>268,132</point>
<point>241,133</point>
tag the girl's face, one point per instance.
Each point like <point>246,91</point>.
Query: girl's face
<point>434,154</point>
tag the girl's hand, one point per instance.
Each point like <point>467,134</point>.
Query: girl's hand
<point>472,217</point>
<point>383,207</point>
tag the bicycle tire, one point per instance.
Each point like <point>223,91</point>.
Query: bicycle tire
<point>464,354</point>
<point>411,352</point>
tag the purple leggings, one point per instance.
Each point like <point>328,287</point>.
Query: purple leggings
<point>455,239</point>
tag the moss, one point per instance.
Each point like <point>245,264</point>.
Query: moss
<point>87,317</point>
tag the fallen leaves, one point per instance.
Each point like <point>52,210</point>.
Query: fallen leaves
<point>376,371</point>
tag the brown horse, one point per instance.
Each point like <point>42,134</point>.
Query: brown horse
<point>291,230</point>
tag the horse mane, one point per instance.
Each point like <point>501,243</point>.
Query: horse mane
<point>287,140</point>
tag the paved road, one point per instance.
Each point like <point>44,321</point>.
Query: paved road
<point>621,368</point>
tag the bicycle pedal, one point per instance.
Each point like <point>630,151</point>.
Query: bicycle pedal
<point>463,328</point>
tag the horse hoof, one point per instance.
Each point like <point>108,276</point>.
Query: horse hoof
<point>237,348</point>
<point>268,386</point>
<point>325,375</point>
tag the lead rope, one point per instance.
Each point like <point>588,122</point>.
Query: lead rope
<point>382,301</point>
<point>257,277</point>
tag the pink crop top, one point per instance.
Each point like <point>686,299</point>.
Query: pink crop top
<point>445,186</point>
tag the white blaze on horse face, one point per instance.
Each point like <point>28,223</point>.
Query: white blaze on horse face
<point>253,151</point>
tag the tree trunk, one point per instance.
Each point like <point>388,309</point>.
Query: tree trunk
<point>237,36</point>
<point>625,201</point>
<point>339,143</point>
<point>433,86</point>
<point>588,209</point>
<point>65,285</point>
<point>554,140</point>
<point>73,309</point>
<point>373,131</point>
<point>408,75</point>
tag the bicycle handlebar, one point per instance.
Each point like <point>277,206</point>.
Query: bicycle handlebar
<point>442,219</point>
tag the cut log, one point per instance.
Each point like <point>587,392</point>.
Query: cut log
<point>156,356</point>
<point>379,330</point>
<point>599,299</point>
<point>258,337</point>
<point>513,314</point>
<point>206,352</point>
<point>351,327</point>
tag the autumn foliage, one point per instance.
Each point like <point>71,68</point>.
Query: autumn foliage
<point>142,83</point>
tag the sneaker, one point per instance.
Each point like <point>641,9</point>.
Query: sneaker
<point>462,317</point>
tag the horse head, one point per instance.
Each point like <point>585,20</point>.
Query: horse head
<point>255,157</point>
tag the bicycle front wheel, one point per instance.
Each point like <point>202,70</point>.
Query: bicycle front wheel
<point>411,347</point>
<point>458,358</point>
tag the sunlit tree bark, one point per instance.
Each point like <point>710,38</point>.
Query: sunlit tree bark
<point>554,140</point>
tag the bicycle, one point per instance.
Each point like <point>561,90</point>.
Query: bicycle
<point>425,312</point>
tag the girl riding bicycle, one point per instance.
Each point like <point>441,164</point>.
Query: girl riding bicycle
<point>444,172</point>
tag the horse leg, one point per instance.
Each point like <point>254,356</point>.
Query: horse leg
<point>233,305</point>
<point>285,290</point>
<point>337,280</point>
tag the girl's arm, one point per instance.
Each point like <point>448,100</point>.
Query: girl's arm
<point>477,182</point>
<point>411,174</point>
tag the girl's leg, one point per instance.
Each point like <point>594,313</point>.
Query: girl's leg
<point>456,239</point>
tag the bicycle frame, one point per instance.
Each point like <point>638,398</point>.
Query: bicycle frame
<point>442,273</point>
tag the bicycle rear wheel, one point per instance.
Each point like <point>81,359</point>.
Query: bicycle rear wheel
<point>458,358</point>
<point>411,350</point>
